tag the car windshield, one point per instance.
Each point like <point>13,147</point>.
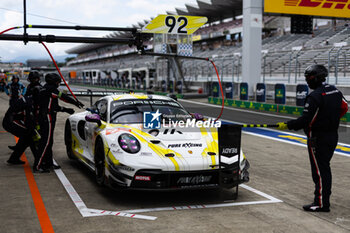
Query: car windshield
<point>131,111</point>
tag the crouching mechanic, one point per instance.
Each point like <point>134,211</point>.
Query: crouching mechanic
<point>48,108</point>
<point>320,120</point>
<point>19,121</point>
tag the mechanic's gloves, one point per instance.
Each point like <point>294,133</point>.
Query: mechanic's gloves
<point>36,136</point>
<point>79,104</point>
<point>68,110</point>
<point>282,126</point>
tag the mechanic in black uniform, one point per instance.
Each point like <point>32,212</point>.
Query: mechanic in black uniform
<point>48,108</point>
<point>33,90</point>
<point>320,120</point>
<point>19,121</point>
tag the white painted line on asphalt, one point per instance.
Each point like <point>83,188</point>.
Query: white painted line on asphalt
<point>86,212</point>
<point>270,200</point>
<point>244,110</point>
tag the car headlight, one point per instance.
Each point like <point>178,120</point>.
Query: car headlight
<point>129,143</point>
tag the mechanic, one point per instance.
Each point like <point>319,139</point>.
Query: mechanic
<point>15,89</point>
<point>48,108</point>
<point>320,120</point>
<point>33,90</point>
<point>19,121</point>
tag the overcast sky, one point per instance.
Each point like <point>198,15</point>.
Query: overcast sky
<point>113,13</point>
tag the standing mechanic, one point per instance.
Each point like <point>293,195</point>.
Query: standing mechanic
<point>15,89</point>
<point>320,120</point>
<point>48,108</point>
<point>33,90</point>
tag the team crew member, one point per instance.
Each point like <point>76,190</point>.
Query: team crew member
<point>15,89</point>
<point>320,120</point>
<point>33,90</point>
<point>48,108</point>
<point>19,121</point>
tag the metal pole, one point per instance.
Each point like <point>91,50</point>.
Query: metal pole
<point>344,64</point>
<point>264,68</point>
<point>233,69</point>
<point>296,67</point>
<point>77,27</point>
<point>222,68</point>
<point>336,65</point>
<point>66,39</point>
<point>290,65</point>
<point>24,20</point>
<point>329,63</point>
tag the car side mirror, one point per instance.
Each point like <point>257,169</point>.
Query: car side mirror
<point>95,118</point>
<point>198,116</point>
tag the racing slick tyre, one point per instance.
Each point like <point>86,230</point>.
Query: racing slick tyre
<point>68,140</point>
<point>99,162</point>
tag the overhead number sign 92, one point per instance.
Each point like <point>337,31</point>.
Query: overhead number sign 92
<point>174,24</point>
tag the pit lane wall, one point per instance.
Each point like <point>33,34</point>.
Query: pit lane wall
<point>278,108</point>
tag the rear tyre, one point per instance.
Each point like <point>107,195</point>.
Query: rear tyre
<point>68,140</point>
<point>100,162</point>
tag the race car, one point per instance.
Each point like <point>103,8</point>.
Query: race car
<point>141,141</point>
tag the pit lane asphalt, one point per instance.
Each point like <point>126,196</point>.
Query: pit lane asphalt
<point>277,169</point>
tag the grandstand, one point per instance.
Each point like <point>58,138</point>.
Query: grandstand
<point>284,55</point>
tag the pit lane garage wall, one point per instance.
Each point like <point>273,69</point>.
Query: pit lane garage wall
<point>279,108</point>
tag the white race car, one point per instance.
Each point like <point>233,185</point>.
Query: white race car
<point>114,140</point>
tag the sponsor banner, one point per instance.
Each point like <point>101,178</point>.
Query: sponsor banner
<point>293,110</point>
<point>327,8</point>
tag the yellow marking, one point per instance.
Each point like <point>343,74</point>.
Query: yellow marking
<point>343,148</point>
<point>117,98</point>
<point>160,151</point>
<point>212,145</point>
<point>138,96</point>
<point>304,141</point>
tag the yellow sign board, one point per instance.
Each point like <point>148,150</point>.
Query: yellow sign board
<point>175,24</point>
<point>327,8</point>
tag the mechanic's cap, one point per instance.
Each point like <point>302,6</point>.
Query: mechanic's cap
<point>52,78</point>
<point>15,77</point>
<point>318,71</point>
<point>33,75</point>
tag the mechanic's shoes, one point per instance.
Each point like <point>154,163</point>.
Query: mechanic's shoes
<point>55,167</point>
<point>15,162</point>
<point>12,147</point>
<point>40,170</point>
<point>316,208</point>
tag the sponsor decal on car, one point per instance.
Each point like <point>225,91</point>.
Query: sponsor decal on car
<point>194,179</point>
<point>185,145</point>
<point>143,178</point>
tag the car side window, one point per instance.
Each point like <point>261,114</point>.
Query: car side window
<point>101,107</point>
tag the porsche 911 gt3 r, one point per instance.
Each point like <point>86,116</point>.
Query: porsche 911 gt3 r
<point>114,141</point>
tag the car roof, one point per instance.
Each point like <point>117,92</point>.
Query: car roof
<point>136,96</point>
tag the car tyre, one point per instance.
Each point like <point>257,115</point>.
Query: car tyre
<point>99,162</point>
<point>68,140</point>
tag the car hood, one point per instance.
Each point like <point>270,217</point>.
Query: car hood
<point>184,141</point>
